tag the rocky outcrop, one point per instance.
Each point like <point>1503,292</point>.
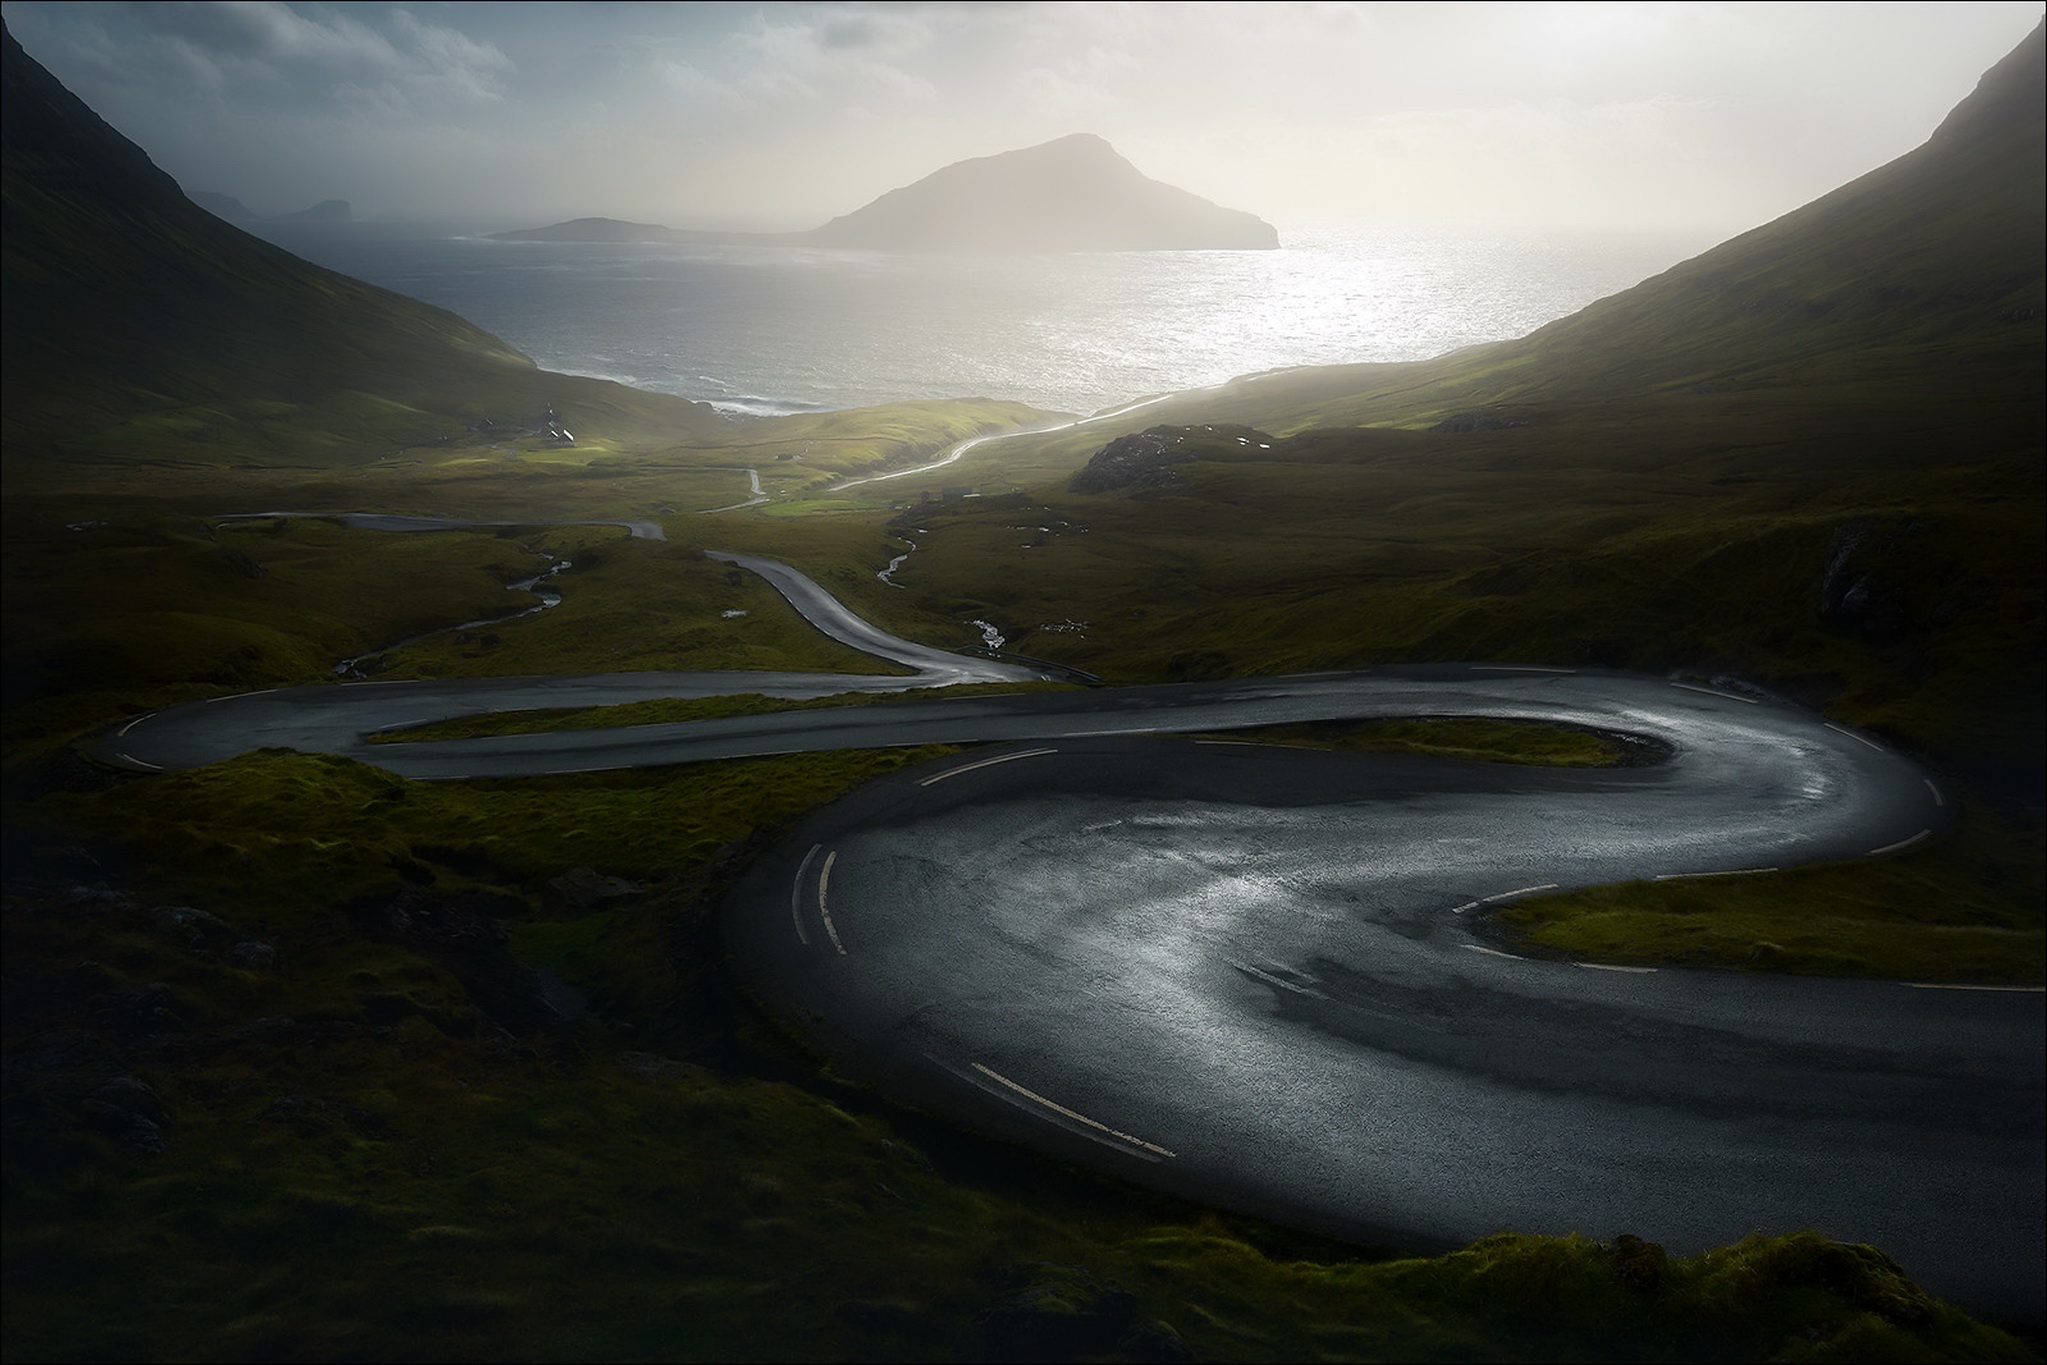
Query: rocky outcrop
<point>1145,460</point>
<point>1129,463</point>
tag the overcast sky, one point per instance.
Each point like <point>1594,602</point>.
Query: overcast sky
<point>1700,116</point>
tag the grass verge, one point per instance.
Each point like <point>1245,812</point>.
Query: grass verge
<point>678,710</point>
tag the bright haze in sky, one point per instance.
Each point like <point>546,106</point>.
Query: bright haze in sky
<point>1702,116</point>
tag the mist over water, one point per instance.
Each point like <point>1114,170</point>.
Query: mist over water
<point>766,330</point>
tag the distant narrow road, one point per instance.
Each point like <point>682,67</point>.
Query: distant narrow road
<point>954,453</point>
<point>339,718</point>
<point>386,521</point>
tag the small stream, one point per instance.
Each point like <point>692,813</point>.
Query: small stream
<point>991,638</point>
<point>897,562</point>
<point>536,585</point>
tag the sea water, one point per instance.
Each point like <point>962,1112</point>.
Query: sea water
<point>760,330</point>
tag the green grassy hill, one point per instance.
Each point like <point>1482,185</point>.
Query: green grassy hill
<point>303,1061</point>
<point>1811,455</point>
<point>1927,272</point>
<point>1809,459</point>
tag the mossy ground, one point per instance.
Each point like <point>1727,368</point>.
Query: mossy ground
<point>328,1119</point>
<point>370,1141</point>
<point>379,1144</point>
<point>1964,910</point>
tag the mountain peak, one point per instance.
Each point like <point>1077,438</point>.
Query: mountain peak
<point>1076,145</point>
<point>1074,193</point>
<point>2009,95</point>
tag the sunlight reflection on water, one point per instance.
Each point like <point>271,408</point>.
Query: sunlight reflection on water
<point>766,329</point>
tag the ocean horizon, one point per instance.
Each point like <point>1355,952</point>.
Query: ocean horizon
<point>769,330</point>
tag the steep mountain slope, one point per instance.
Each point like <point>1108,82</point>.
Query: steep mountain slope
<point>1809,457</point>
<point>137,325</point>
<point>1943,249</point>
<point>1927,272</point>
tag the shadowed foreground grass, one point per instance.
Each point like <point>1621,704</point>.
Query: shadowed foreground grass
<point>281,1086</point>
<point>282,1083</point>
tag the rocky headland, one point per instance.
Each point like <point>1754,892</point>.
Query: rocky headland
<point>1072,194</point>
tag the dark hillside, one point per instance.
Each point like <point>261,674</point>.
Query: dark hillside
<point>137,325</point>
<point>1927,273</point>
<point>1940,252</point>
<point>1810,456</point>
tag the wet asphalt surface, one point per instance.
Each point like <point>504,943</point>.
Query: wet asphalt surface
<point>1262,977</point>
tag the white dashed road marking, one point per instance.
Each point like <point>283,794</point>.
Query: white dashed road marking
<point>1503,896</point>
<point>1852,735</point>
<point>1950,986</point>
<point>984,763</point>
<point>824,878</point>
<point>1062,1110</point>
<point>796,896</point>
<point>1716,692</point>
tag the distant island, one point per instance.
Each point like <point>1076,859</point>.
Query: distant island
<point>326,211</point>
<point>227,207</point>
<point>1072,194</point>
<point>619,230</point>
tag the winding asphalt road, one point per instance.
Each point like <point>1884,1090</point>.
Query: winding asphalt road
<point>1261,977</point>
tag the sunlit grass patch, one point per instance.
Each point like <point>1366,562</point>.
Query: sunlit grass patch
<point>274,828</point>
<point>1968,909</point>
<point>818,448</point>
<point>1543,743</point>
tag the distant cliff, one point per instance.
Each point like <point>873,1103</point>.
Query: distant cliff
<point>326,211</point>
<point>614,230</point>
<point>1074,194</point>
<point>233,210</point>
